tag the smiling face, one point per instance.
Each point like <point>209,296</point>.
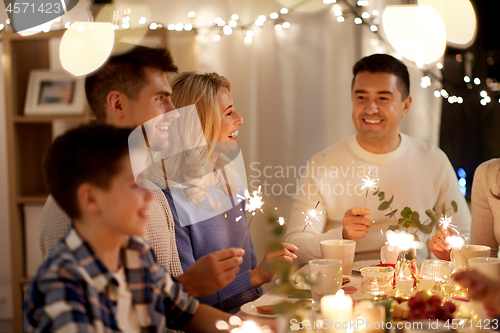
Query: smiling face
<point>378,108</point>
<point>230,119</point>
<point>154,109</point>
<point>124,205</point>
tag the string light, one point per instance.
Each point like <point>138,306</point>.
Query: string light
<point>170,27</point>
<point>248,39</point>
<point>274,15</point>
<point>188,27</point>
<point>286,25</point>
<point>363,3</point>
<point>375,12</point>
<point>373,28</point>
<point>153,26</point>
<point>439,65</point>
<point>477,81</point>
<point>179,27</point>
<point>340,19</point>
<point>278,27</point>
<point>191,14</point>
<point>250,33</point>
<point>284,11</point>
<point>466,79</point>
<point>227,30</point>
<point>357,20</point>
<point>233,23</point>
<point>235,17</point>
<point>216,38</point>
<point>365,15</point>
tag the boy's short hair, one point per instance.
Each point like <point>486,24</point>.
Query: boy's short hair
<point>384,63</point>
<point>125,73</point>
<point>87,154</point>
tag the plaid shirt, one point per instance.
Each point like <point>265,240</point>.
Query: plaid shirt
<point>74,292</point>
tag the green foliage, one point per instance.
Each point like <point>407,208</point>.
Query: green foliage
<point>411,219</point>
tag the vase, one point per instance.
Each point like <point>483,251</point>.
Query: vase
<point>406,271</point>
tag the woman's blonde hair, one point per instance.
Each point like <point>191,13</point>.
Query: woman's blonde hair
<point>188,168</point>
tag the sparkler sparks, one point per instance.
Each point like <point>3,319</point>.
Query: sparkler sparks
<point>445,221</point>
<point>281,220</point>
<point>311,215</point>
<point>455,242</point>
<point>368,183</point>
<point>254,201</point>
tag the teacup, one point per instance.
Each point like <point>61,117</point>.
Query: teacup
<point>488,266</point>
<point>460,257</point>
<point>326,276</point>
<point>389,254</point>
<point>341,249</point>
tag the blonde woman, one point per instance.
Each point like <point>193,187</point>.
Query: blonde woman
<point>203,183</point>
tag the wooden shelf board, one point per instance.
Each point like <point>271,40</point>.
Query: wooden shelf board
<point>47,119</point>
<point>32,199</point>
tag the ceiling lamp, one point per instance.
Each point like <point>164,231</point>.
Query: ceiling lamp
<point>85,46</point>
<point>415,32</point>
<point>459,20</point>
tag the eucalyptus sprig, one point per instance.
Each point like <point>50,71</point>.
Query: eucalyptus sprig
<point>410,218</point>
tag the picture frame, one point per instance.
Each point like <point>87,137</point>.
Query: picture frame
<point>54,93</point>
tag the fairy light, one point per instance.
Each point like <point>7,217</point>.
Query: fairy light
<point>437,94</point>
<point>363,3</point>
<point>439,65</point>
<point>227,30</point>
<point>466,79</point>
<point>273,15</point>
<point>221,23</point>
<point>1,26</point>
<point>233,23</point>
<point>216,38</point>
<point>283,11</point>
<point>340,19</point>
<point>483,93</point>
<point>248,40</point>
<point>286,25</point>
<point>259,23</point>
<point>365,15</point>
<point>278,27</point>
<point>191,14</point>
<point>357,20</point>
<point>425,82</point>
<point>250,33</point>
<point>375,12</point>
<point>171,27</point>
<point>217,20</point>
<point>179,27</point>
<point>153,26</point>
<point>444,93</point>
<point>235,17</point>
<point>477,81</point>
<point>262,18</point>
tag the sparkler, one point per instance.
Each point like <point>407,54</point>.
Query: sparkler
<point>311,215</point>
<point>454,238</point>
<point>370,184</point>
<point>252,203</point>
<point>281,220</point>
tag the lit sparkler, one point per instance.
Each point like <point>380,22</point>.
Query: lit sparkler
<point>369,183</point>
<point>311,215</point>
<point>454,238</point>
<point>252,203</point>
<point>455,242</point>
<point>445,221</point>
<point>281,220</point>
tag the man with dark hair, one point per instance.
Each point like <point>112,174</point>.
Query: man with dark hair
<point>416,174</point>
<point>102,276</point>
<point>127,91</point>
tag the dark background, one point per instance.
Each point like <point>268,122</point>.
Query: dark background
<point>470,132</point>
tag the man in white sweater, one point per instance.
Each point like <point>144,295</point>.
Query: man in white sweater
<point>419,175</point>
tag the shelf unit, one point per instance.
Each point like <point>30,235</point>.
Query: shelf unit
<point>29,137</point>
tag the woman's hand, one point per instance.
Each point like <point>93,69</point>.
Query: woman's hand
<point>263,273</point>
<point>438,245</point>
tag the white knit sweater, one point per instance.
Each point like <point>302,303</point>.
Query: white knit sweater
<point>417,174</point>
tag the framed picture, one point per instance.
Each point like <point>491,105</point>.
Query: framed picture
<point>54,93</point>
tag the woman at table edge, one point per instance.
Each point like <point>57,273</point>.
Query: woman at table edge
<point>485,228</point>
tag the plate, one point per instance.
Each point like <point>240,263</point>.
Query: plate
<point>305,286</point>
<point>251,307</point>
<point>357,265</point>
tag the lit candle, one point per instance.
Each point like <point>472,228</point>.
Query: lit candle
<point>337,309</point>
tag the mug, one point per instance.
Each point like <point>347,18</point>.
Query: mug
<point>326,276</point>
<point>389,254</point>
<point>341,249</point>
<point>488,266</point>
<point>460,257</point>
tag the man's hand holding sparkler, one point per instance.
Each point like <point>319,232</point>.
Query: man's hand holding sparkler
<point>356,225</point>
<point>263,273</point>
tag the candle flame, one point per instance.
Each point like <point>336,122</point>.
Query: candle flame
<point>281,220</point>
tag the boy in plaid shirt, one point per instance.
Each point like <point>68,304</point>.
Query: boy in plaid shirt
<point>103,276</point>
